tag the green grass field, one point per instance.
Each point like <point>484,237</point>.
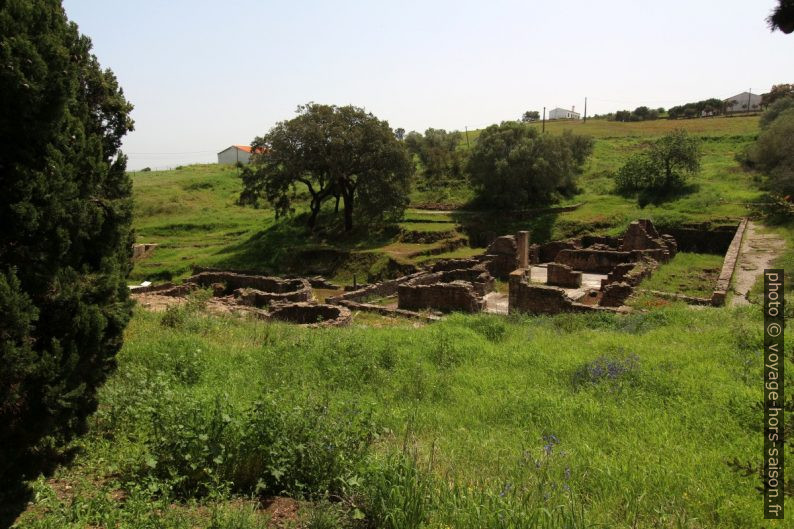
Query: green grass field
<point>192,212</point>
<point>599,420</point>
<point>567,422</point>
<point>690,274</point>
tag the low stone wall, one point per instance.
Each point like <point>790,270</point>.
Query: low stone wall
<point>547,253</point>
<point>596,261</point>
<point>728,266</point>
<point>562,276</point>
<point>703,238</point>
<point>143,250</point>
<point>281,289</point>
<point>691,300</point>
<point>382,289</point>
<point>387,311</point>
<point>444,265</point>
<point>312,314</point>
<point>542,299</point>
<point>632,273</point>
<point>615,294</point>
<point>446,297</point>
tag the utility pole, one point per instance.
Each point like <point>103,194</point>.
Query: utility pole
<point>585,110</point>
<point>467,137</point>
<point>543,129</point>
<point>749,93</point>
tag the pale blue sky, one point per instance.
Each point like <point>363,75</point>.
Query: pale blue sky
<point>204,75</point>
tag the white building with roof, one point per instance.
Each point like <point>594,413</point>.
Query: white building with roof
<point>561,113</point>
<point>235,153</point>
<point>744,102</point>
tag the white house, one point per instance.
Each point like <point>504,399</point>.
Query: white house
<point>744,102</point>
<point>235,153</point>
<point>561,113</point>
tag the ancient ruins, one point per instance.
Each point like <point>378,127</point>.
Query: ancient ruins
<point>589,273</point>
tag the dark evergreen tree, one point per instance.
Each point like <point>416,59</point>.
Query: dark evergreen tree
<point>782,17</point>
<point>65,236</point>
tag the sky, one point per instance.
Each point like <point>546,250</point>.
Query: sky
<point>204,75</point>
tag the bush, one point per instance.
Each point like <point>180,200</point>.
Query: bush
<point>661,170</point>
<point>65,242</point>
<point>774,110</point>
<point>773,153</point>
<point>513,166</point>
<point>196,446</point>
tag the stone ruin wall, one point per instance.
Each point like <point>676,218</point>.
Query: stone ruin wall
<point>626,260</point>
<point>561,275</point>
<point>253,289</point>
<point>446,297</point>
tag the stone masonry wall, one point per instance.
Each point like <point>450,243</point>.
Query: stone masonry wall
<point>596,261</point>
<point>446,297</point>
<point>562,276</point>
<point>286,289</point>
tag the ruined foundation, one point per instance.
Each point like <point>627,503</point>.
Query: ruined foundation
<point>253,289</point>
<point>311,314</point>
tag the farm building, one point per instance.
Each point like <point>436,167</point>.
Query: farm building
<point>561,113</point>
<point>235,153</point>
<point>744,102</point>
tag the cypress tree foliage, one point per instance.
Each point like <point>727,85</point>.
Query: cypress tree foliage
<point>65,233</point>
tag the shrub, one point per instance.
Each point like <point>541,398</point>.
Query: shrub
<point>65,242</point>
<point>307,449</point>
<point>773,154</point>
<point>662,169</point>
<point>513,166</point>
<point>774,110</point>
<point>197,445</point>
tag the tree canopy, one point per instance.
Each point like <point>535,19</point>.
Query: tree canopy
<point>711,106</point>
<point>530,115</point>
<point>437,150</point>
<point>514,166</point>
<point>332,152</point>
<point>65,242</point>
<point>662,169</point>
<point>778,91</point>
<point>782,17</point>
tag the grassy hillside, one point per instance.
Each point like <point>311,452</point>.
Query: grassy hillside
<point>601,128</point>
<point>567,422</point>
<point>602,420</point>
<point>192,212</point>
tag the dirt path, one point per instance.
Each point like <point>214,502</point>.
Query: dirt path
<point>758,252</point>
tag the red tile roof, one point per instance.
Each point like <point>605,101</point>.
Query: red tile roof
<point>247,148</point>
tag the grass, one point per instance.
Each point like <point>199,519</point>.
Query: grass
<point>690,274</point>
<point>601,128</point>
<point>192,212</point>
<point>593,420</point>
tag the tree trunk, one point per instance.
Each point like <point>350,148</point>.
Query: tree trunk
<point>315,209</point>
<point>336,207</point>
<point>348,211</point>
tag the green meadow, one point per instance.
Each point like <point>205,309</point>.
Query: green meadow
<point>478,421</point>
<point>192,212</point>
<point>637,421</point>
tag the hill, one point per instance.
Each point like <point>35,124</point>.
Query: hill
<point>192,212</point>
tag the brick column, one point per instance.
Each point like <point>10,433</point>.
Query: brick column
<point>522,242</point>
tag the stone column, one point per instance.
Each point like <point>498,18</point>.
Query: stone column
<point>522,242</point>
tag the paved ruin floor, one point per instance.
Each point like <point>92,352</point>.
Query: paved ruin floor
<point>589,281</point>
<point>497,302</point>
<point>758,251</point>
